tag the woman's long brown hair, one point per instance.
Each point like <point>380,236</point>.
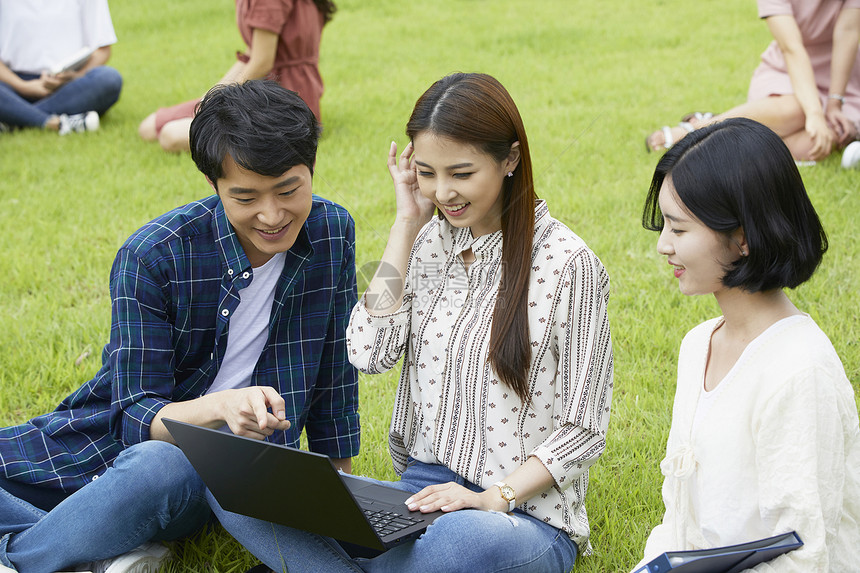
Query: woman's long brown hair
<point>477,110</point>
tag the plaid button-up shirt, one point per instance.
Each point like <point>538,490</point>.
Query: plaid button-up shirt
<point>174,285</point>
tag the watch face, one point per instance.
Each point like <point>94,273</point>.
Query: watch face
<point>508,492</point>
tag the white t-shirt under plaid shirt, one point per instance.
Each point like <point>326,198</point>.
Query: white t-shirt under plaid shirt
<point>452,409</point>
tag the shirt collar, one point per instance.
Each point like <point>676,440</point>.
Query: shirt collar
<point>233,255</point>
<point>541,214</point>
<point>461,239</point>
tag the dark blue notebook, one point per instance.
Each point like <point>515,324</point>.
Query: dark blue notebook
<point>729,559</point>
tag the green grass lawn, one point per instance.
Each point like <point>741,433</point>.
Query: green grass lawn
<point>591,79</point>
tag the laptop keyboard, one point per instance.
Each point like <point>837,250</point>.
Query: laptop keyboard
<point>387,522</point>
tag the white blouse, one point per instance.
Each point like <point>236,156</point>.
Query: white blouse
<point>452,409</point>
<point>778,450</point>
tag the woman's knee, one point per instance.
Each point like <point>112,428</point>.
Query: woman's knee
<point>789,114</point>
<point>174,136</point>
<point>470,539</point>
<point>112,79</point>
<point>481,531</point>
<point>109,83</point>
<point>146,129</point>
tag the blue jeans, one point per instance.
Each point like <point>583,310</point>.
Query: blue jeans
<point>468,540</point>
<point>150,492</point>
<point>97,90</point>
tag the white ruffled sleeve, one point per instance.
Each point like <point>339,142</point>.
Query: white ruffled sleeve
<point>376,343</point>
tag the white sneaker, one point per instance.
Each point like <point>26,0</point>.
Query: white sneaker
<point>144,559</point>
<point>851,155</point>
<point>79,122</point>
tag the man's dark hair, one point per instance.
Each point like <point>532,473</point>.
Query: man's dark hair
<point>263,126</point>
<point>736,174</point>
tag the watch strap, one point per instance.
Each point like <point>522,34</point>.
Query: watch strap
<point>512,501</point>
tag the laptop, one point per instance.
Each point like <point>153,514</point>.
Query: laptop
<point>298,489</point>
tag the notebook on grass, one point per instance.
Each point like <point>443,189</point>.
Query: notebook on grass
<point>729,559</point>
<point>297,488</point>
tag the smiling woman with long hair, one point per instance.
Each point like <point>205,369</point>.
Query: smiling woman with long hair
<point>498,312</point>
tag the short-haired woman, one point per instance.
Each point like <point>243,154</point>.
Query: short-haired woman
<point>764,436</point>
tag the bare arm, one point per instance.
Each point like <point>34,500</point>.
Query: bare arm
<point>343,464</point>
<point>245,411</point>
<point>846,36</point>
<point>99,58</point>
<point>261,59</point>
<point>7,76</point>
<point>232,75</point>
<point>33,89</point>
<point>264,46</point>
<point>528,480</point>
<point>787,35</point>
<point>413,211</point>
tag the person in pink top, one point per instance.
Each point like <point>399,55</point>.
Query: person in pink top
<point>807,86</point>
<point>283,39</point>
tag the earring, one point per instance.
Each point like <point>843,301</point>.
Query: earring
<point>744,253</point>
<point>510,173</point>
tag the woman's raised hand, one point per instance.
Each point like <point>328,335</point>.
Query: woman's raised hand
<point>412,206</point>
<point>383,294</point>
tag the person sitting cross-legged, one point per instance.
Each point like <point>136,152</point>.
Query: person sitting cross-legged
<point>37,38</point>
<point>230,311</point>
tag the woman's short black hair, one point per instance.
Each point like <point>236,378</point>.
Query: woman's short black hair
<point>735,174</point>
<point>263,126</point>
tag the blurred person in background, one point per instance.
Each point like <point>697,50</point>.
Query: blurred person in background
<point>52,64</point>
<point>807,86</point>
<point>283,39</point>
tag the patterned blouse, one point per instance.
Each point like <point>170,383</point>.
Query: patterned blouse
<point>452,409</point>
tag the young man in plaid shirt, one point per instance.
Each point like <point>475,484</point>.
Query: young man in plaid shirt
<point>226,312</point>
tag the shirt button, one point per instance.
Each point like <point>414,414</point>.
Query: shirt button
<point>225,312</point>
<point>246,274</point>
<point>230,272</point>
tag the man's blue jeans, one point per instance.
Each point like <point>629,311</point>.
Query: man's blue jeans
<point>468,540</point>
<point>150,492</point>
<point>97,90</point>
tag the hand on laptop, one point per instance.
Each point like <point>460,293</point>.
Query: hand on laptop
<point>451,497</point>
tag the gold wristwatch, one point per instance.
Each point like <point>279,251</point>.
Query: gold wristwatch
<point>508,494</point>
